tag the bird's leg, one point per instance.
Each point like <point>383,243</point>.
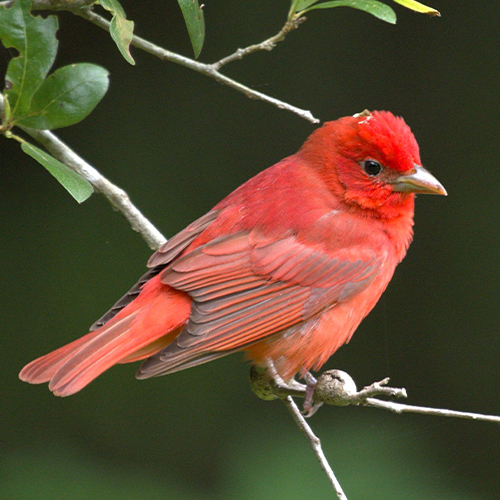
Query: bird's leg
<point>309,408</point>
<point>280,384</point>
<point>293,386</point>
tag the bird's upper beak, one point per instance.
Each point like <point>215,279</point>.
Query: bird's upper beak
<point>418,181</point>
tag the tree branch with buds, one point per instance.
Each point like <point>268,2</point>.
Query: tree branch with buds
<point>337,388</point>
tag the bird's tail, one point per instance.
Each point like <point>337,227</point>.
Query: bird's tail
<point>141,329</point>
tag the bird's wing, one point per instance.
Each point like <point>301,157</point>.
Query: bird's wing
<point>175,245</point>
<point>248,286</point>
<point>163,256</point>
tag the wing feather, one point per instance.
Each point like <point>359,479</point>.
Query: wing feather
<point>163,256</point>
<point>175,245</point>
<point>247,287</point>
<point>221,290</point>
<point>212,328</point>
<point>238,301</point>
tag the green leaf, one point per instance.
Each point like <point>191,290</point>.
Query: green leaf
<point>67,96</point>
<point>34,38</point>
<point>418,7</point>
<point>76,185</point>
<point>303,4</point>
<point>193,16</point>
<point>378,9</point>
<point>113,6</point>
<point>6,111</point>
<point>121,30</point>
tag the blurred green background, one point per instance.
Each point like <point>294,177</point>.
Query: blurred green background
<point>178,142</point>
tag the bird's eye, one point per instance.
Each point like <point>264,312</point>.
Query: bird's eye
<point>372,167</point>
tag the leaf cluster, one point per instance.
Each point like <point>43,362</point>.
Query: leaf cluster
<point>378,9</point>
<point>33,98</point>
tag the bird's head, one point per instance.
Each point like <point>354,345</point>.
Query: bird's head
<point>371,161</point>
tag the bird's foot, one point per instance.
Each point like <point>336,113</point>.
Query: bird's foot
<point>333,387</point>
<point>309,409</point>
<point>267,384</point>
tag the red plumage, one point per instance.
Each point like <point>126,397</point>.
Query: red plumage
<point>284,268</point>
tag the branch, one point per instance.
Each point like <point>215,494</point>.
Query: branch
<point>82,9</point>
<point>401,408</point>
<point>315,445</point>
<point>210,70</point>
<point>267,384</point>
<point>118,198</point>
<point>335,387</point>
<point>268,44</point>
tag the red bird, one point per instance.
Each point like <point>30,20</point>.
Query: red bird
<point>284,268</point>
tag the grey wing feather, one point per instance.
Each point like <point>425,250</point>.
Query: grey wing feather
<point>260,289</point>
<point>161,258</point>
<point>126,299</point>
<point>175,245</point>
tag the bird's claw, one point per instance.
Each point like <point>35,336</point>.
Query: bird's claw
<point>309,409</point>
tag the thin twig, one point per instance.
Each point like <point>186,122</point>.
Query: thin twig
<point>315,445</point>
<point>402,408</point>
<point>268,44</point>
<point>118,198</point>
<point>210,70</point>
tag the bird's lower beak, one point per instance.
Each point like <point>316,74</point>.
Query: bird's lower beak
<point>419,181</point>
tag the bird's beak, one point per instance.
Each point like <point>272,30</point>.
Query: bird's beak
<point>418,181</point>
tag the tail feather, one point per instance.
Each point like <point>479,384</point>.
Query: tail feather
<point>42,369</point>
<point>152,348</point>
<point>142,328</point>
<point>94,357</point>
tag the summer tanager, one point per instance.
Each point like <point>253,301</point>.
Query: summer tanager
<point>284,268</point>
